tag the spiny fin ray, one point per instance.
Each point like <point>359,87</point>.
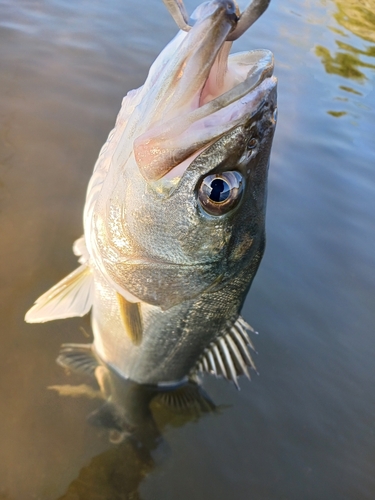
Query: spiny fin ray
<point>228,355</point>
<point>240,362</point>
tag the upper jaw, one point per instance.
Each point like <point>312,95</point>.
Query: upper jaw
<point>205,93</point>
<point>166,145</point>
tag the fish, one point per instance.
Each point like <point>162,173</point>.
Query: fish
<point>174,219</point>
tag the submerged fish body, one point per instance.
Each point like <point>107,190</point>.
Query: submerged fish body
<point>175,212</point>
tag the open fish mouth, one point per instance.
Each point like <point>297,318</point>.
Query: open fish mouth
<point>203,92</point>
<point>198,110</point>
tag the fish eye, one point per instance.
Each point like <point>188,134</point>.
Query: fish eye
<point>220,193</point>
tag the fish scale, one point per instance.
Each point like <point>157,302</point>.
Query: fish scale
<point>175,211</point>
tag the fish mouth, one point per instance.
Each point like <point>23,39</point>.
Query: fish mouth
<point>207,92</point>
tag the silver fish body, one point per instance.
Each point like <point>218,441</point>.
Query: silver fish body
<point>175,212</point>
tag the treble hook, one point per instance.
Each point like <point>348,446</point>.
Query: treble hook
<point>248,17</point>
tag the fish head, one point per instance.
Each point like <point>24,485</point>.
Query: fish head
<point>182,207</point>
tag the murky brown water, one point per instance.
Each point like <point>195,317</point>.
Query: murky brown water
<point>303,429</point>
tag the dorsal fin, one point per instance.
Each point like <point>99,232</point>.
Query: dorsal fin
<point>131,319</point>
<point>229,355</point>
<point>72,296</point>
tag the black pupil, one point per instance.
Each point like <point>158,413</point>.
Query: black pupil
<point>220,190</point>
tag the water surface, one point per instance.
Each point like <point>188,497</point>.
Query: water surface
<point>303,429</point>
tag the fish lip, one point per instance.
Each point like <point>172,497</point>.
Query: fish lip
<point>260,66</point>
<point>253,102</point>
<point>177,138</point>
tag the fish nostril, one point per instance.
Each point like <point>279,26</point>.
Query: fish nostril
<point>252,144</point>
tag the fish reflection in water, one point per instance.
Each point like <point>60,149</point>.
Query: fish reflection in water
<point>134,416</point>
<point>174,219</point>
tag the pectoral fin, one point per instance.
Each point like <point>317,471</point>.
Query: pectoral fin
<point>78,357</point>
<point>131,319</point>
<point>72,296</point>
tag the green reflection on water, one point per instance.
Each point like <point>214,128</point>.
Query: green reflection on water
<point>357,17</point>
<point>343,63</point>
<point>337,114</point>
<point>348,89</point>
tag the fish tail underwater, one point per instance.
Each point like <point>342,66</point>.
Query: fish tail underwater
<point>174,220</point>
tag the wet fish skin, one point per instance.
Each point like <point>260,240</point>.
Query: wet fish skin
<point>166,279</point>
<point>170,240</point>
<point>187,307</point>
